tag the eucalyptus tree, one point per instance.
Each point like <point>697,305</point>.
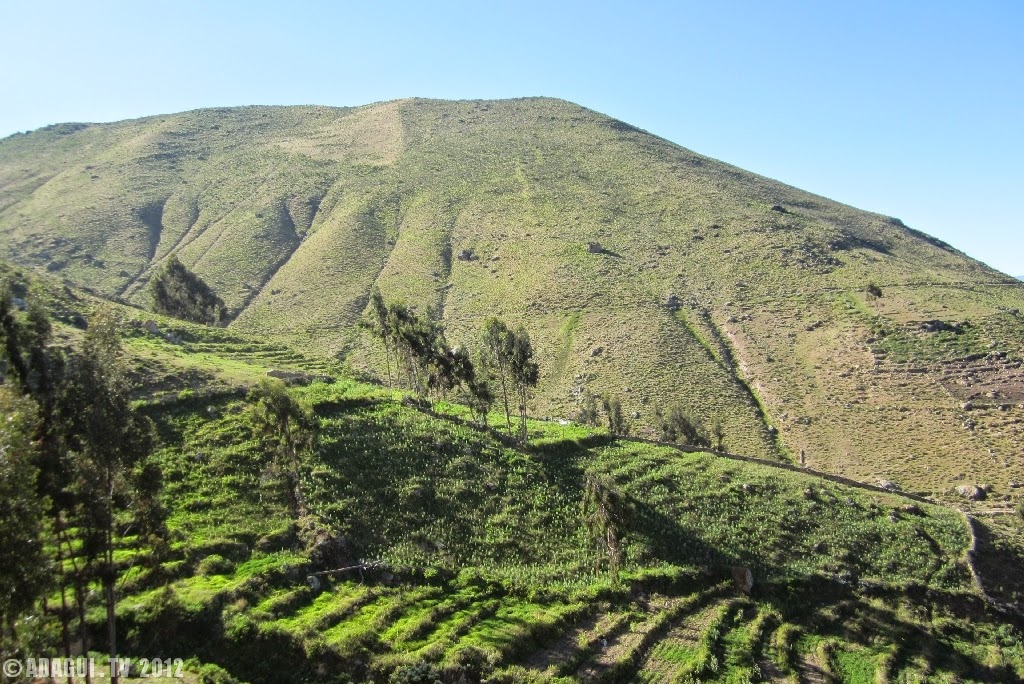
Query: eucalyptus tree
<point>115,484</point>
<point>606,514</point>
<point>287,429</point>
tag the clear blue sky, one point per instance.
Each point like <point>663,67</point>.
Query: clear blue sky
<point>912,109</point>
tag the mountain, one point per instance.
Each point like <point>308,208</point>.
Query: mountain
<point>639,268</point>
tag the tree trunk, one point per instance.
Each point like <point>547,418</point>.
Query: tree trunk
<point>108,588</point>
<point>522,415</point>
<point>65,617</point>
<point>387,361</point>
<point>504,395</point>
<point>80,595</point>
<point>109,576</point>
<point>296,476</point>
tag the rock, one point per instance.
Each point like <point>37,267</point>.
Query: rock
<point>673,303</point>
<point>987,488</point>
<point>467,255</point>
<point>971,492</point>
<point>941,326</point>
<point>595,247</point>
<point>967,406</point>
<point>290,376</point>
<point>911,509</point>
<point>779,208</point>
<point>742,579</point>
<point>152,327</point>
<point>888,486</point>
<point>1014,484</point>
<point>597,351</point>
<point>635,415</point>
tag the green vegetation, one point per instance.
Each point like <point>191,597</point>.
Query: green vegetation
<point>574,555</point>
<point>179,292</point>
<point>367,519</point>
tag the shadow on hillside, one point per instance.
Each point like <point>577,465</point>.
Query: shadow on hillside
<point>833,609</point>
<point>999,564</point>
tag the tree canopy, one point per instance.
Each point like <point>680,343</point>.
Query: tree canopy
<point>180,293</point>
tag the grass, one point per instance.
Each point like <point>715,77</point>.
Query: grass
<point>493,564</point>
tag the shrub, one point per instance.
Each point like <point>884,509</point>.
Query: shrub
<point>215,564</point>
<point>421,673</point>
<point>214,674</point>
<point>678,426</point>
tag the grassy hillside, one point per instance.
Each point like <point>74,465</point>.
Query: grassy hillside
<point>481,567</point>
<point>739,296</point>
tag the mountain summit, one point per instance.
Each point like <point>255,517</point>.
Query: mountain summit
<point>639,268</point>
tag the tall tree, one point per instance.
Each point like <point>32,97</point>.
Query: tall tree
<point>606,513</point>
<point>33,367</point>
<point>495,355</point>
<point>588,413</point>
<point>115,485</point>
<point>525,374</point>
<point>617,424</point>
<point>24,570</point>
<point>379,325</point>
<point>287,429</point>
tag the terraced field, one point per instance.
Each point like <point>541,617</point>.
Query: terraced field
<point>445,550</point>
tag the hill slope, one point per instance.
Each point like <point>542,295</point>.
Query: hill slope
<point>739,296</point>
<point>484,568</point>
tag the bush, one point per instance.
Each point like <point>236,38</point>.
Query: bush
<point>421,673</point>
<point>215,564</point>
<point>678,426</point>
<point>214,674</point>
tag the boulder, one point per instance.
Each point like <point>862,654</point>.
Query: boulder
<point>290,376</point>
<point>742,579</point>
<point>151,327</point>
<point>673,303</point>
<point>971,492</point>
<point>594,247</point>
<point>888,486</point>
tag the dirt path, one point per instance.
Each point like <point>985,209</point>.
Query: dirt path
<point>810,670</point>
<point>664,660</point>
